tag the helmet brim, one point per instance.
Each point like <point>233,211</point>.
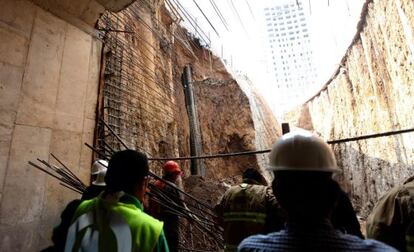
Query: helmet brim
<point>98,183</point>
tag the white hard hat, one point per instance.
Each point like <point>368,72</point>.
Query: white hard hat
<point>100,179</point>
<point>302,151</point>
<point>99,165</point>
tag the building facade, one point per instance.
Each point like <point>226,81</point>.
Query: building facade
<point>289,53</point>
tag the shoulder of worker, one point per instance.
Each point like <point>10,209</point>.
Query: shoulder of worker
<point>396,196</point>
<point>259,190</point>
<point>392,209</point>
<point>132,209</point>
<point>359,244</point>
<point>260,242</point>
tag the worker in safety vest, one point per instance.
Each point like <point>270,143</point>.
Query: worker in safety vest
<point>98,172</point>
<point>243,209</point>
<point>172,174</point>
<point>115,221</point>
<point>392,219</point>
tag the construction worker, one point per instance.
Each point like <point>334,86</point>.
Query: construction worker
<point>98,172</point>
<point>172,174</point>
<point>243,209</point>
<point>97,186</point>
<point>392,219</point>
<point>98,166</point>
<point>303,165</point>
<point>115,220</point>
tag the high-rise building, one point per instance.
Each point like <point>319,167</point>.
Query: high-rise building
<point>289,53</point>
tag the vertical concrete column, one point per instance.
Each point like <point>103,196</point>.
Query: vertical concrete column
<point>197,167</point>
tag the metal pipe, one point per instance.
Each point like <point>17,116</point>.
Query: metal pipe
<point>197,167</point>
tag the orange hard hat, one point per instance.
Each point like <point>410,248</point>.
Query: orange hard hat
<point>172,167</point>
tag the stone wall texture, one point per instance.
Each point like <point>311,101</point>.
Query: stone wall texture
<point>372,92</point>
<point>49,71</point>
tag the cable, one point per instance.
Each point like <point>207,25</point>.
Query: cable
<point>238,17</point>
<point>388,133</point>
<point>250,9</point>
<point>191,21</point>
<point>202,12</point>
<point>351,139</point>
<point>220,15</point>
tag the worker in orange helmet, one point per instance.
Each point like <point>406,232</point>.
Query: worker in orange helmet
<point>172,173</point>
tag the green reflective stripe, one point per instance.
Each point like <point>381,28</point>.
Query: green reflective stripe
<point>244,216</point>
<point>409,240</point>
<point>229,247</point>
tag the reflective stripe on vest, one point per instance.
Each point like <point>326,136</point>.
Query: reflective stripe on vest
<point>245,216</point>
<point>230,248</point>
<point>90,240</point>
<point>409,241</point>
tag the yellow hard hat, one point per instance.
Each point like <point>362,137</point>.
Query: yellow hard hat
<point>302,151</point>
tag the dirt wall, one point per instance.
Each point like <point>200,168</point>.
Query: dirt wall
<point>52,87</point>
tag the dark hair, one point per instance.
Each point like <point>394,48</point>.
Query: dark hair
<point>252,174</point>
<point>307,195</point>
<point>126,170</point>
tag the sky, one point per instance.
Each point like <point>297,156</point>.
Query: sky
<point>239,36</point>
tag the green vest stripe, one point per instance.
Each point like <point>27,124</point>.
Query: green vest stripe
<point>244,216</point>
<point>409,240</point>
<point>230,248</point>
<point>122,227</point>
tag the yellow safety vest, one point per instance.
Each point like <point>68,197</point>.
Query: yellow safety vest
<point>120,226</point>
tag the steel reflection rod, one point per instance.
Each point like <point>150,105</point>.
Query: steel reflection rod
<point>172,197</point>
<point>64,166</point>
<point>187,194</point>
<point>181,209</point>
<point>49,173</point>
<point>97,151</point>
<point>151,173</point>
<point>75,190</point>
<point>113,133</point>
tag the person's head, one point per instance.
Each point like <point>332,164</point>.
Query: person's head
<point>252,176</point>
<point>128,171</point>
<point>171,171</point>
<point>303,165</point>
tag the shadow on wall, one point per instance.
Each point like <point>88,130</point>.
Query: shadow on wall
<point>366,178</point>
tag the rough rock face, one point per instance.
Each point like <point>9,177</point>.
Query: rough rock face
<point>226,126</point>
<point>154,75</point>
<point>267,129</point>
<point>207,190</point>
<point>52,84</point>
<point>372,92</point>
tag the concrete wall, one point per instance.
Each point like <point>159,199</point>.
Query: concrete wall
<point>372,93</point>
<point>49,73</point>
